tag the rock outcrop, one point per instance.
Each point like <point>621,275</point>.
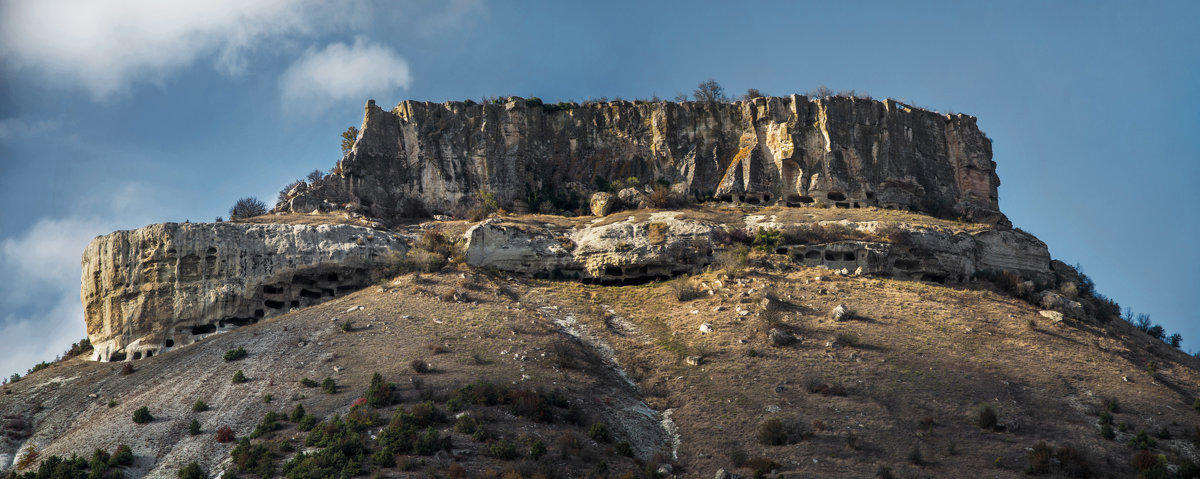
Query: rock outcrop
<point>167,285</point>
<point>846,152</point>
<point>666,243</point>
<point>621,252</point>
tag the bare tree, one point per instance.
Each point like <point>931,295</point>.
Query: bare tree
<point>315,176</point>
<point>681,97</point>
<point>709,90</point>
<point>348,138</point>
<point>752,94</point>
<point>247,207</point>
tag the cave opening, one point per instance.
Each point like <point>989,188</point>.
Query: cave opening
<point>273,304</point>
<point>170,343</point>
<point>204,329</point>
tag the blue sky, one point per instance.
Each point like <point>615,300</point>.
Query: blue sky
<point>125,113</point>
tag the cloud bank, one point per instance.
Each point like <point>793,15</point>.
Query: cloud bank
<point>42,314</point>
<point>105,47</point>
<point>341,72</point>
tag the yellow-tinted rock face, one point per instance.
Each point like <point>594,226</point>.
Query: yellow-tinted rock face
<point>167,285</point>
<point>836,152</point>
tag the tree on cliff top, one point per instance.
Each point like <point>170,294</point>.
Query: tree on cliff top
<point>348,138</point>
<point>247,207</point>
<point>709,90</point>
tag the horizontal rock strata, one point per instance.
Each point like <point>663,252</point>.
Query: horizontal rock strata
<point>665,244</point>
<point>167,285</point>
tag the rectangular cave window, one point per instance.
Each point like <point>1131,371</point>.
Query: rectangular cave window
<point>268,289</point>
<point>308,293</point>
<point>273,304</point>
<point>848,256</point>
<point>204,329</point>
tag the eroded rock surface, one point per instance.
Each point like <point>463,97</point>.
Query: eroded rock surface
<point>667,243</point>
<point>167,285</point>
<point>626,251</point>
<point>837,152</point>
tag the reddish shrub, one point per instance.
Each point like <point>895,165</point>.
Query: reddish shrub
<point>225,434</point>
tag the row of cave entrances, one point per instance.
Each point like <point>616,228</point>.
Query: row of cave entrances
<point>834,198</point>
<point>303,289</point>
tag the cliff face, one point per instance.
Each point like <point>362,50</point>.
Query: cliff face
<point>837,152</point>
<point>167,285</point>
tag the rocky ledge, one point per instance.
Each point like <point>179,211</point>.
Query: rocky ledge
<point>663,244</point>
<point>148,290</point>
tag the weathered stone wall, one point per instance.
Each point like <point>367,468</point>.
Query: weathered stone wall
<point>668,243</point>
<point>837,152</point>
<point>167,285</point>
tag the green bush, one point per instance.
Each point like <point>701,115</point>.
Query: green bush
<point>537,449</point>
<point>767,239</point>
<point>194,427</point>
<point>192,471</point>
<point>309,383</point>
<point>142,415</point>
<point>379,393</point>
<point>269,423</point>
<point>329,386</point>
<point>599,432</point>
<point>239,377</point>
<point>298,413</point>
<point>122,456</point>
<point>985,416</point>
<point>503,450</point>
<point>235,354</point>
<point>199,406</point>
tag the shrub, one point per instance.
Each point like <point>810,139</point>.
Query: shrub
<point>347,326</point>
<point>775,432</point>
<point>848,338</point>
<point>379,393</point>
<point>985,416</point>
<point>348,138</point>
<point>419,366</point>
<point>306,423</point>
<point>1106,431</point>
<point>767,239</point>
<point>383,458</point>
<point>269,423</point>
<point>329,386</point>
<point>599,432</point>
<point>466,424</point>
<point>225,435</point>
<point>762,466</point>
<point>199,406</point>
<point>298,413</point>
<point>1152,367</point>
<point>1142,441</point>
<point>235,354</point>
<point>126,370</point>
<point>537,448</point>
<point>142,415</point>
<point>309,383</point>
<point>121,456</point>
<point>239,377</point>
<point>112,403</point>
<point>192,471</point>
<point>1039,459</point>
<point>733,260</point>
<point>247,207</point>
<point>1072,463</point>
<point>503,450</point>
<point>194,427</point>
<point>683,289</point>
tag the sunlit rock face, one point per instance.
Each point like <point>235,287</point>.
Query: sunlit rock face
<point>166,285</point>
<point>843,152</point>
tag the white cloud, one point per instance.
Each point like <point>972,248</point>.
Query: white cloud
<point>341,72</point>
<point>105,47</point>
<point>39,267</point>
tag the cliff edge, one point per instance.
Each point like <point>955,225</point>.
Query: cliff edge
<point>424,157</point>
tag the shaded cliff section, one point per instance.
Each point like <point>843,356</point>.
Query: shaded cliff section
<point>422,157</point>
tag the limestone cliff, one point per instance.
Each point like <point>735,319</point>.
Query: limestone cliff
<point>836,152</point>
<point>166,285</point>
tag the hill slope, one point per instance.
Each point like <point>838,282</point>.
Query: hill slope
<point>697,383</point>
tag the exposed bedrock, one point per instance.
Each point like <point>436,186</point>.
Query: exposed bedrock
<point>836,152</point>
<point>667,243</point>
<point>166,285</point>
